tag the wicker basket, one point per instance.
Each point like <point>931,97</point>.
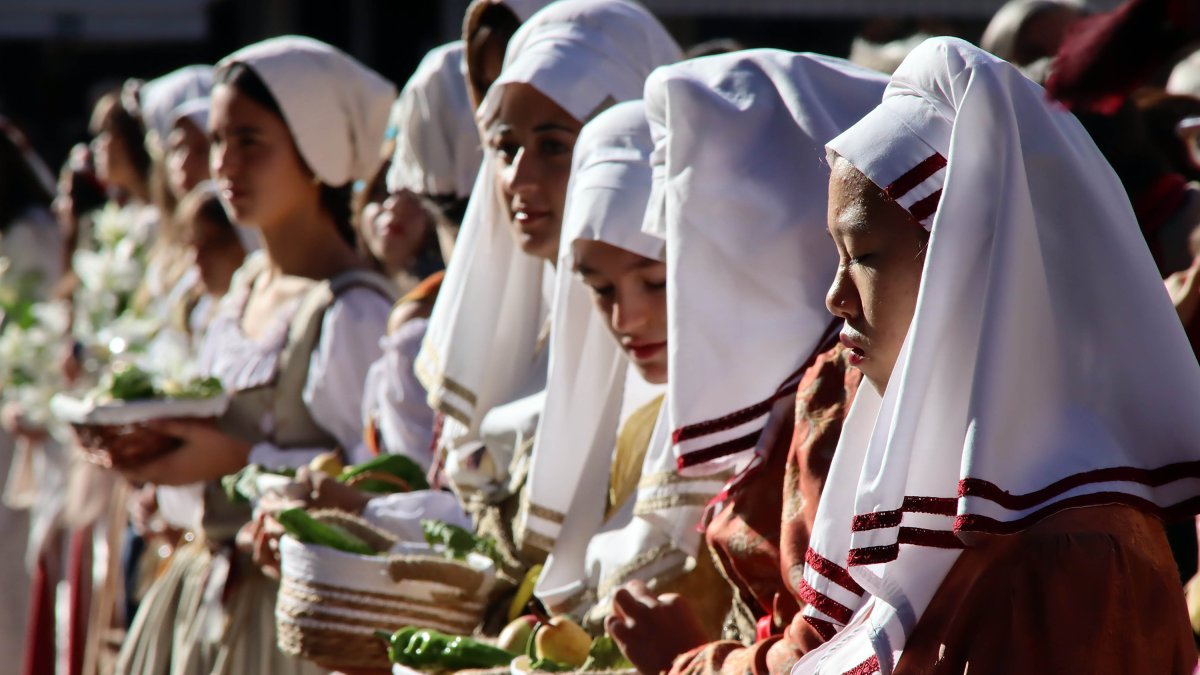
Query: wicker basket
<point>331,603</point>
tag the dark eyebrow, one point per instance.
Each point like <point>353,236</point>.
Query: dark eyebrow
<point>554,126</point>
<point>584,270</point>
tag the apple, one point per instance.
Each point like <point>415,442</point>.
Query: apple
<point>563,641</point>
<point>515,636</point>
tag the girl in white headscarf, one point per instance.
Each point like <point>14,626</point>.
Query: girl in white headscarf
<point>608,364</point>
<point>739,193</point>
<point>291,342</point>
<point>485,344</point>
<point>1012,458</point>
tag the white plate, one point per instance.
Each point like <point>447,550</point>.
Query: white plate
<point>82,411</point>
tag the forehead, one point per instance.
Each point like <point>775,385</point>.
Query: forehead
<point>523,106</point>
<point>231,107</point>
<point>598,257</point>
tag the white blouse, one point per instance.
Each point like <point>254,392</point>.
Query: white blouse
<point>333,392</point>
<point>395,399</point>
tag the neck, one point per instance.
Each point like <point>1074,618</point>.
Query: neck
<point>308,245</point>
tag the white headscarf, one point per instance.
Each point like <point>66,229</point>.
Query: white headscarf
<point>437,143</point>
<point>159,98</point>
<point>741,182</point>
<point>1016,393</point>
<point>1185,76</point>
<point>586,387</point>
<point>481,346</point>
<point>195,111</point>
<point>336,108</point>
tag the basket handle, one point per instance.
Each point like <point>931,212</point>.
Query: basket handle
<point>381,476</point>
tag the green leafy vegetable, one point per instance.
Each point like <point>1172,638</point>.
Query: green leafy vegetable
<point>457,541</point>
<point>302,526</point>
<point>606,655</point>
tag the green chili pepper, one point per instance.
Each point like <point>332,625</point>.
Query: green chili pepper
<point>398,643</point>
<point>463,652</point>
<point>426,647</point>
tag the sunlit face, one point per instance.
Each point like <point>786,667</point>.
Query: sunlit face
<point>114,160</point>
<point>259,172</point>
<point>394,227</point>
<point>533,139</point>
<point>631,292</point>
<point>881,255</point>
<point>218,253</point>
<point>186,157</point>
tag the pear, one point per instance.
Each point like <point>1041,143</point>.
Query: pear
<point>328,463</point>
<point>515,636</point>
<point>563,641</point>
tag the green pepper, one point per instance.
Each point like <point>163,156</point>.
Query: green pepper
<point>396,465</point>
<point>426,647</point>
<point>398,643</point>
<point>298,523</point>
<point>462,653</point>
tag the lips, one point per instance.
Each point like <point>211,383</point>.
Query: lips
<point>857,354</point>
<point>525,216</point>
<point>645,350</point>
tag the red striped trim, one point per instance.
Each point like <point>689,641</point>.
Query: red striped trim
<point>915,176</point>
<point>719,450</point>
<point>824,603</point>
<point>940,506</point>
<point>924,207</point>
<point>733,419</point>
<point>832,571</point>
<point>748,414</point>
<point>978,523</point>
<point>825,629</point>
<point>977,487</point>
<point>868,667</point>
<point>917,536</point>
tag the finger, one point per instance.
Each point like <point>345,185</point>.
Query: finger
<point>642,593</point>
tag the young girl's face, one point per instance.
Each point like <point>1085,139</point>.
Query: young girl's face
<point>881,251</point>
<point>533,138</point>
<point>630,291</point>
<point>394,227</point>
<point>254,160</point>
<point>186,157</point>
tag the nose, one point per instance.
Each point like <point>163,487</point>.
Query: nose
<point>220,160</point>
<point>842,298</point>
<point>520,177</point>
<point>629,314</point>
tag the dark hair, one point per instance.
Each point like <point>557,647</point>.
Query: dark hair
<point>494,21</point>
<point>334,200</point>
<point>20,187</point>
<point>1162,113</point>
<point>126,126</point>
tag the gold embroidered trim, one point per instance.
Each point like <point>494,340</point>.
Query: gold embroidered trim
<point>663,478</point>
<point>545,513</point>
<point>652,504</point>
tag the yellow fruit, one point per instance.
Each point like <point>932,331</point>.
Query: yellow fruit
<point>563,641</point>
<point>524,593</point>
<point>515,636</point>
<point>328,463</point>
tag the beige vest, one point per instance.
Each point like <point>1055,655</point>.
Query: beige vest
<point>282,398</point>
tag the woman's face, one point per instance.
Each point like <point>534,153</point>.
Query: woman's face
<point>394,227</point>
<point>218,253</point>
<point>187,157</point>
<point>881,253</point>
<point>631,292</point>
<point>533,139</point>
<point>114,162</point>
<point>261,177</point>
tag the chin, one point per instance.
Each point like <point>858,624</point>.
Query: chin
<point>653,373</point>
<point>538,247</point>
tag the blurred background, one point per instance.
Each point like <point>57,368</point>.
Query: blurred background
<point>58,56</point>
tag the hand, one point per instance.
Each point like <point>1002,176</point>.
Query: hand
<point>12,417</point>
<point>653,631</point>
<point>143,509</point>
<point>207,454</point>
<point>1184,288</point>
<point>260,538</point>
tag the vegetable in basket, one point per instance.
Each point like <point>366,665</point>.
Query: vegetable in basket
<point>298,523</point>
<point>127,382</point>
<point>386,474</point>
<point>458,542</point>
<point>428,649</point>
